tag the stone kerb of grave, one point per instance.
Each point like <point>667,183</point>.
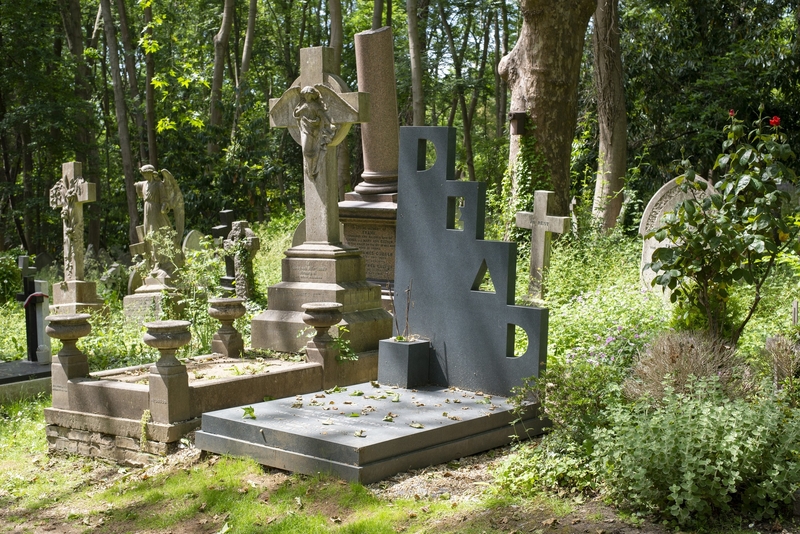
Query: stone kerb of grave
<point>318,110</point>
<point>664,201</point>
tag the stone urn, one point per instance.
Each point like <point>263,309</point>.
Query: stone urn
<point>167,337</point>
<point>69,329</point>
<point>227,341</point>
<point>322,315</point>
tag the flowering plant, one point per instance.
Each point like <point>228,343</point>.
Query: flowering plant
<point>733,235</point>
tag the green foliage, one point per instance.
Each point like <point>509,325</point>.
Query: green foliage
<point>556,463</point>
<point>13,343</point>
<point>698,455</point>
<point>10,277</point>
<point>733,235</point>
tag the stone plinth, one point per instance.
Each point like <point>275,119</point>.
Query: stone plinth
<point>321,273</point>
<point>169,381</point>
<point>70,363</point>
<point>369,224</point>
<point>75,296</point>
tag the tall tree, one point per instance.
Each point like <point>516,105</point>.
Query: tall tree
<point>247,50</point>
<point>122,119</point>
<point>220,54</point>
<point>130,68</point>
<point>415,54</point>
<point>542,72</point>
<point>611,119</point>
<point>150,98</point>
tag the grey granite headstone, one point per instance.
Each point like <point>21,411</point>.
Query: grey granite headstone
<point>471,330</point>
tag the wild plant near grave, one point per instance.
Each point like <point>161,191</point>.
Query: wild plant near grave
<point>734,235</point>
<point>698,454</point>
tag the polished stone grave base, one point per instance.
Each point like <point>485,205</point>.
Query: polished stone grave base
<point>368,431</point>
<point>21,378</point>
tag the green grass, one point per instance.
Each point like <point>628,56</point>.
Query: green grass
<point>12,332</point>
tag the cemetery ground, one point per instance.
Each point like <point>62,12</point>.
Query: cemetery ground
<point>603,327</point>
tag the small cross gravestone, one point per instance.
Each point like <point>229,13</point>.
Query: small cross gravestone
<point>241,245</point>
<point>70,194</point>
<point>541,226</point>
<point>34,300</point>
<point>220,233</point>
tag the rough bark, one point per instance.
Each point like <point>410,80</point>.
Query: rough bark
<point>150,96</point>
<point>542,72</point>
<point>611,119</point>
<point>415,53</point>
<point>500,86</point>
<point>220,52</point>
<point>130,68</point>
<point>241,80</point>
<point>122,119</point>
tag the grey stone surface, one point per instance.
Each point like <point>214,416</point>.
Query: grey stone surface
<point>404,363</point>
<point>241,245</point>
<point>317,432</point>
<point>444,261</point>
<point>22,371</point>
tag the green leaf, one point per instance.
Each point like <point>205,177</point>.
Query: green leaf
<point>249,412</point>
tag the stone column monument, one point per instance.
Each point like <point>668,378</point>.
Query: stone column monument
<point>369,214</point>
<point>73,295</point>
<point>318,109</point>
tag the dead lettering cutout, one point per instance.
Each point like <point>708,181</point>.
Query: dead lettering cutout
<point>472,331</point>
<point>483,280</point>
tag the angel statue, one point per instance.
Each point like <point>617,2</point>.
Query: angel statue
<point>160,197</point>
<point>316,129</point>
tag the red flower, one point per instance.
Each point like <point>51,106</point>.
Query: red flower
<point>775,121</point>
<point>731,112</point>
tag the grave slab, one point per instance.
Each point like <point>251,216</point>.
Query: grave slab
<point>21,370</point>
<point>350,435</point>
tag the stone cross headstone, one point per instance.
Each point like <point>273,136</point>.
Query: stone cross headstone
<point>541,226</point>
<point>34,299</point>
<point>318,118</point>
<point>220,233</point>
<point>70,194</point>
<point>242,244</point>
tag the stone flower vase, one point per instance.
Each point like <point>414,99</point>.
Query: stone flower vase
<point>69,329</point>
<point>227,341</point>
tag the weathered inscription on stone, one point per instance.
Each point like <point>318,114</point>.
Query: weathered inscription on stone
<point>376,243</point>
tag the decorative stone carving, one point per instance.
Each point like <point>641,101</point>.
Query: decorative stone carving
<point>227,340</point>
<point>160,197</point>
<point>69,194</point>
<point>242,244</point>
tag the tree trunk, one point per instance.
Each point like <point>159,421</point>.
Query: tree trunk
<point>241,81</point>
<point>85,142</point>
<point>415,52</point>
<point>122,119</point>
<point>543,71</point>
<point>377,14</point>
<point>611,119</point>
<point>220,49</point>
<point>500,86</point>
<point>130,68</point>
<point>150,97</point>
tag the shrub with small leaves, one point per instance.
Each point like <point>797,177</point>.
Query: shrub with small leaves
<point>700,454</point>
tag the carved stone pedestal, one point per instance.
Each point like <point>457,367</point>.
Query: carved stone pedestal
<point>322,273</point>
<point>70,363</point>
<point>227,341</point>
<point>169,381</point>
